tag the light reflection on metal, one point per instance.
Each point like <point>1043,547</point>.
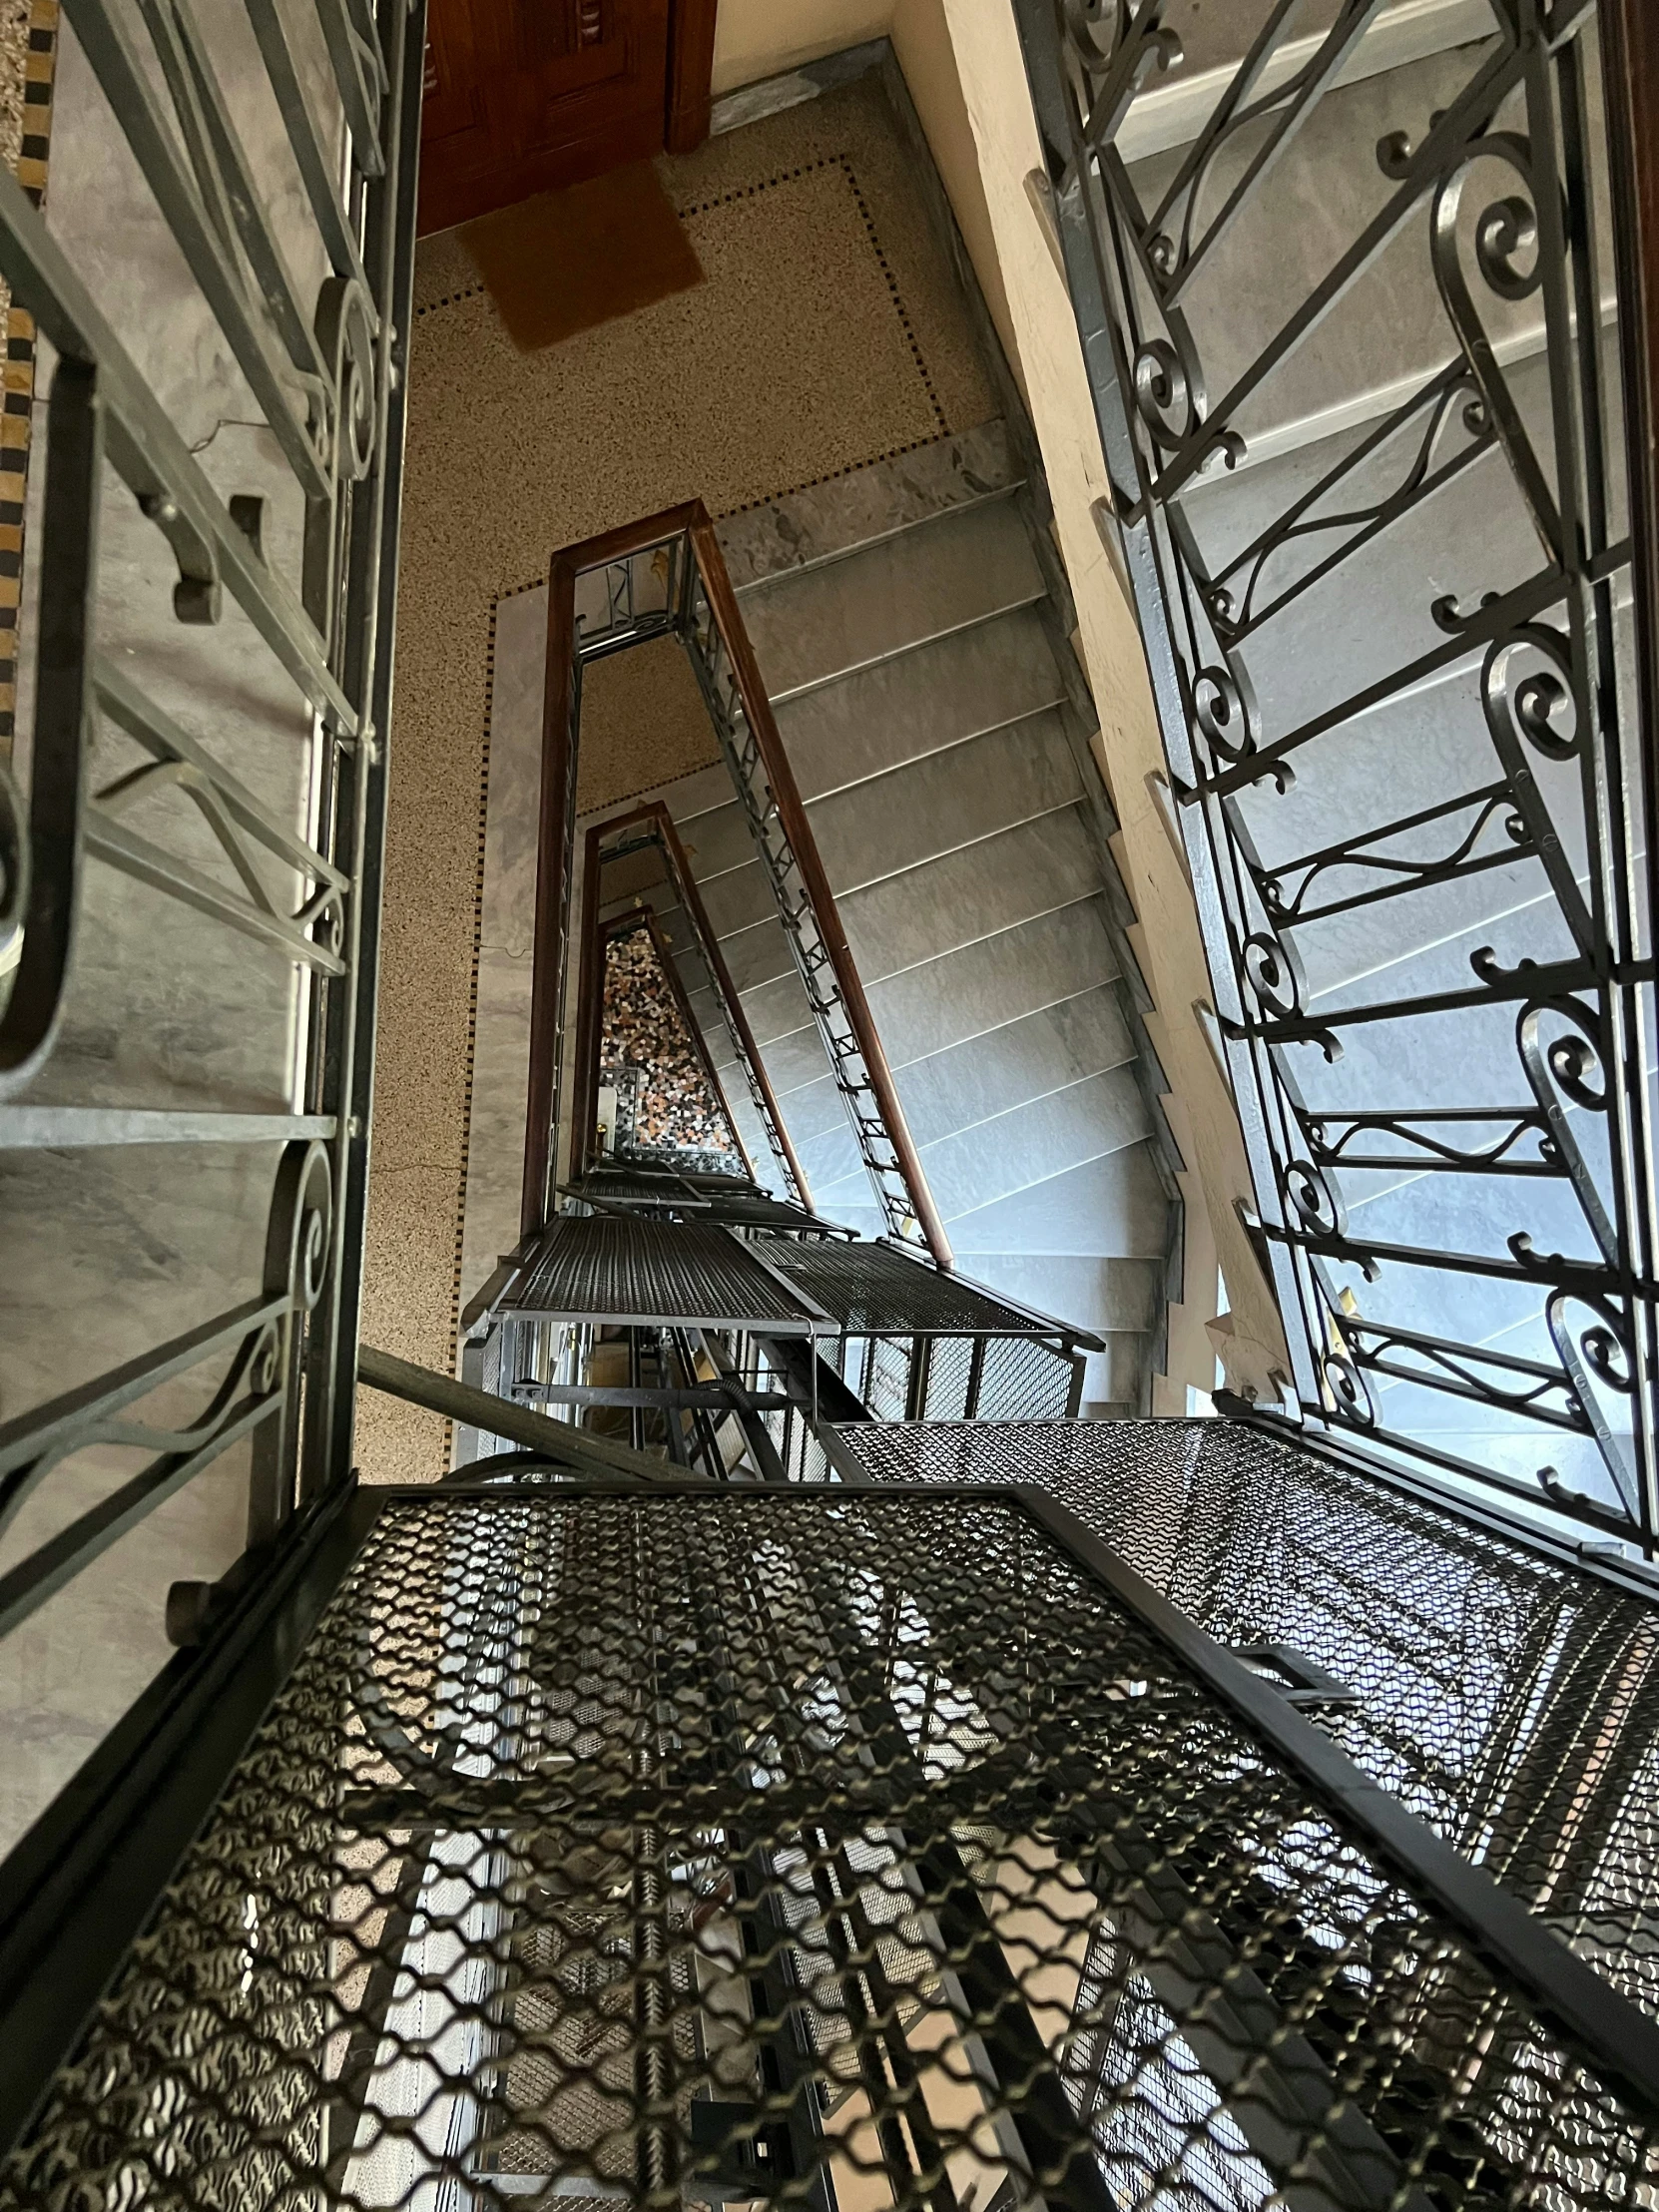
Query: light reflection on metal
<point>1524,1163</point>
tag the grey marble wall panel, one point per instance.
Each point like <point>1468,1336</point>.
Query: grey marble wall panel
<point>789,533</point>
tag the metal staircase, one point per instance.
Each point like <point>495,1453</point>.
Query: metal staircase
<point>792,1759</point>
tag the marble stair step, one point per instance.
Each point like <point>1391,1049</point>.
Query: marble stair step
<point>970,894</point>
<point>1106,1296</point>
<point>1112,1207</point>
<point>989,678</point>
<point>992,1074</point>
<point>915,813</point>
<point>929,580</point>
<point>822,521</point>
<point>919,700</point>
<point>950,1000</point>
<point>1029,1145</point>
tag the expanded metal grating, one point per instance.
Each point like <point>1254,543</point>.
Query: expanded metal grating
<point>1514,1705</point>
<point>872,1291</point>
<point>704,1198</point>
<point>623,1269</point>
<point>805,1848</point>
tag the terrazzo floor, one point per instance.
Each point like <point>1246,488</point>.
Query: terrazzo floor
<point>830,334</point>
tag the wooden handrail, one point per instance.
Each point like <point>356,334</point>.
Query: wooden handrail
<point>556,828</point>
<point>792,815</point>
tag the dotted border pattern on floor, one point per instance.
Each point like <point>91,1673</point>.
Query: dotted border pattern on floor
<point>39,69</point>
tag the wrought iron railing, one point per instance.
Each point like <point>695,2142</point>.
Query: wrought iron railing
<point>660,577</point>
<point>1402,646</point>
<point>651,828</point>
<point>190,829</point>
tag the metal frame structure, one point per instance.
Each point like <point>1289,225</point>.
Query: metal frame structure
<point>1511,184</point>
<point>327,371</point>
<point>86,1888</point>
<point>666,576</point>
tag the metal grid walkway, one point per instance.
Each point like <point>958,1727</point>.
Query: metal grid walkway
<point>700,1199</point>
<point>635,1270</point>
<point>872,1289</point>
<point>1509,1702</point>
<point>942,1872</point>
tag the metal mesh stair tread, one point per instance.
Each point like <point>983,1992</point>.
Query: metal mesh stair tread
<point>873,1291</point>
<point>1509,1705</point>
<point>625,1269</point>
<point>1079,1933</point>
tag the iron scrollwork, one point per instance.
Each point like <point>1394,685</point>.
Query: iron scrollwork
<point>133,754</point>
<point>1437,1008</point>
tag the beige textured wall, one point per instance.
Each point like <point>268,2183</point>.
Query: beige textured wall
<point>921,41</point>
<point>992,87</point>
<point>761,38</point>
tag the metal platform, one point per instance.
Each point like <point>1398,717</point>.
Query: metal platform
<point>544,1873</point>
<point>1511,1701</point>
<point>874,1290</point>
<point>634,1269</point>
<point>698,1197</point>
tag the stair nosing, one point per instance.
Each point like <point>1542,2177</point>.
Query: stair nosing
<point>910,645</point>
<point>847,890</point>
<point>821,561</point>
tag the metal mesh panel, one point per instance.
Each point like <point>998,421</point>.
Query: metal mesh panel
<point>692,1850</point>
<point>1024,1380</point>
<point>878,1369</point>
<point>1512,1705</point>
<point>616,1268</point>
<point>950,1365</point>
<point>872,1289</point>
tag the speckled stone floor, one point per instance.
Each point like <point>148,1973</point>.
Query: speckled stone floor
<point>674,1107</point>
<point>830,334</point>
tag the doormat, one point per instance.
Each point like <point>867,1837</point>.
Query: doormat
<point>569,260</point>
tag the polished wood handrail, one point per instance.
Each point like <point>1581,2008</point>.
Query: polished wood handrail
<point>792,814</point>
<point>555,835</point>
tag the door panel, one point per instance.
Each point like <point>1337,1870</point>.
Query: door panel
<point>529,95</point>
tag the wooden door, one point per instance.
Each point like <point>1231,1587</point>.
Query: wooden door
<point>523,95</point>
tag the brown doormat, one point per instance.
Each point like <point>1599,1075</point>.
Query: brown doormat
<point>568,260</point>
